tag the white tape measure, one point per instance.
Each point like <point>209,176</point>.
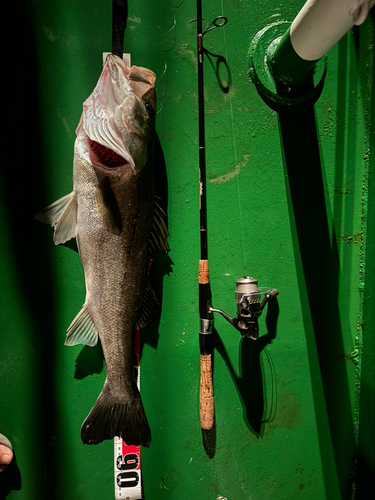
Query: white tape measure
<point>127,459</point>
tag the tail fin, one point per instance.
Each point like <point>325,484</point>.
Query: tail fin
<point>112,416</point>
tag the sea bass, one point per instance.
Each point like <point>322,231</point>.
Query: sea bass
<point>117,224</point>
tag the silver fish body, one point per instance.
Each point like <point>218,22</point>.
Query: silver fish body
<point>113,216</point>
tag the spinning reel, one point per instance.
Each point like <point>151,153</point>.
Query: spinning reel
<point>250,300</point>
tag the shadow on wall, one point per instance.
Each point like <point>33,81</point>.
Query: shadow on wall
<point>249,384</point>
<point>24,193</point>
<point>366,437</point>
<point>318,266</point>
<point>10,479</point>
<point>162,264</point>
<point>221,70</point>
<point>318,276</point>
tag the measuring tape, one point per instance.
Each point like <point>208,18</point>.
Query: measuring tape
<point>127,459</point>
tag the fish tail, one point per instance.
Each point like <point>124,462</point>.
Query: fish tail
<point>117,416</point>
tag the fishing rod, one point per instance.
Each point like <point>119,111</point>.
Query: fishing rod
<point>206,395</point>
<point>206,398</point>
<point>248,295</point>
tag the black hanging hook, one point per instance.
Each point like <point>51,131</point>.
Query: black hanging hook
<point>119,18</point>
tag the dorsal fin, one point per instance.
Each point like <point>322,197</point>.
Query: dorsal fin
<point>159,231</point>
<point>150,308</point>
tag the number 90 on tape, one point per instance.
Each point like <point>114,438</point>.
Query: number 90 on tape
<point>128,484</point>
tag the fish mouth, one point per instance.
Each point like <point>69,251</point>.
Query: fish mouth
<point>104,155</point>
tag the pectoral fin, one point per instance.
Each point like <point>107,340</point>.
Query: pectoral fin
<point>82,330</point>
<point>62,215</point>
<point>107,207</point>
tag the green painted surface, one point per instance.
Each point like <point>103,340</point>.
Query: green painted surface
<point>288,411</point>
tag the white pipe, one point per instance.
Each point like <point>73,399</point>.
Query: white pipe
<point>322,23</point>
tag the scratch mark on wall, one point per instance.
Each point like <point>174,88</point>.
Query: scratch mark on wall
<point>49,34</point>
<point>162,482</point>
<point>221,179</point>
<point>343,190</point>
<point>65,123</point>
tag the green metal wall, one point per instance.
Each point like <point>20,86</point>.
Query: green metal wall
<point>290,202</point>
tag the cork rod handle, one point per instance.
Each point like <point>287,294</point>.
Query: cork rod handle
<point>206,396</point>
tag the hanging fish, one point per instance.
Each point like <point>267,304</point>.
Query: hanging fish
<point>117,225</point>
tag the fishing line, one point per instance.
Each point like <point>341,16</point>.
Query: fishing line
<point>234,146</point>
<point>165,69</point>
<point>167,33</point>
<point>160,104</point>
<point>161,126</point>
<point>165,90</point>
<point>272,410</point>
<point>171,29</point>
<point>179,5</point>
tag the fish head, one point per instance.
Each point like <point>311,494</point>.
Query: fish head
<point>135,118</point>
<point>119,116</point>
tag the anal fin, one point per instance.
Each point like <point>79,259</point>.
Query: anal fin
<point>82,330</point>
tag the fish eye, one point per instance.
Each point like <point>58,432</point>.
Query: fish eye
<point>150,108</point>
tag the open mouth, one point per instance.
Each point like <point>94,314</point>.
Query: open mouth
<point>106,156</point>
